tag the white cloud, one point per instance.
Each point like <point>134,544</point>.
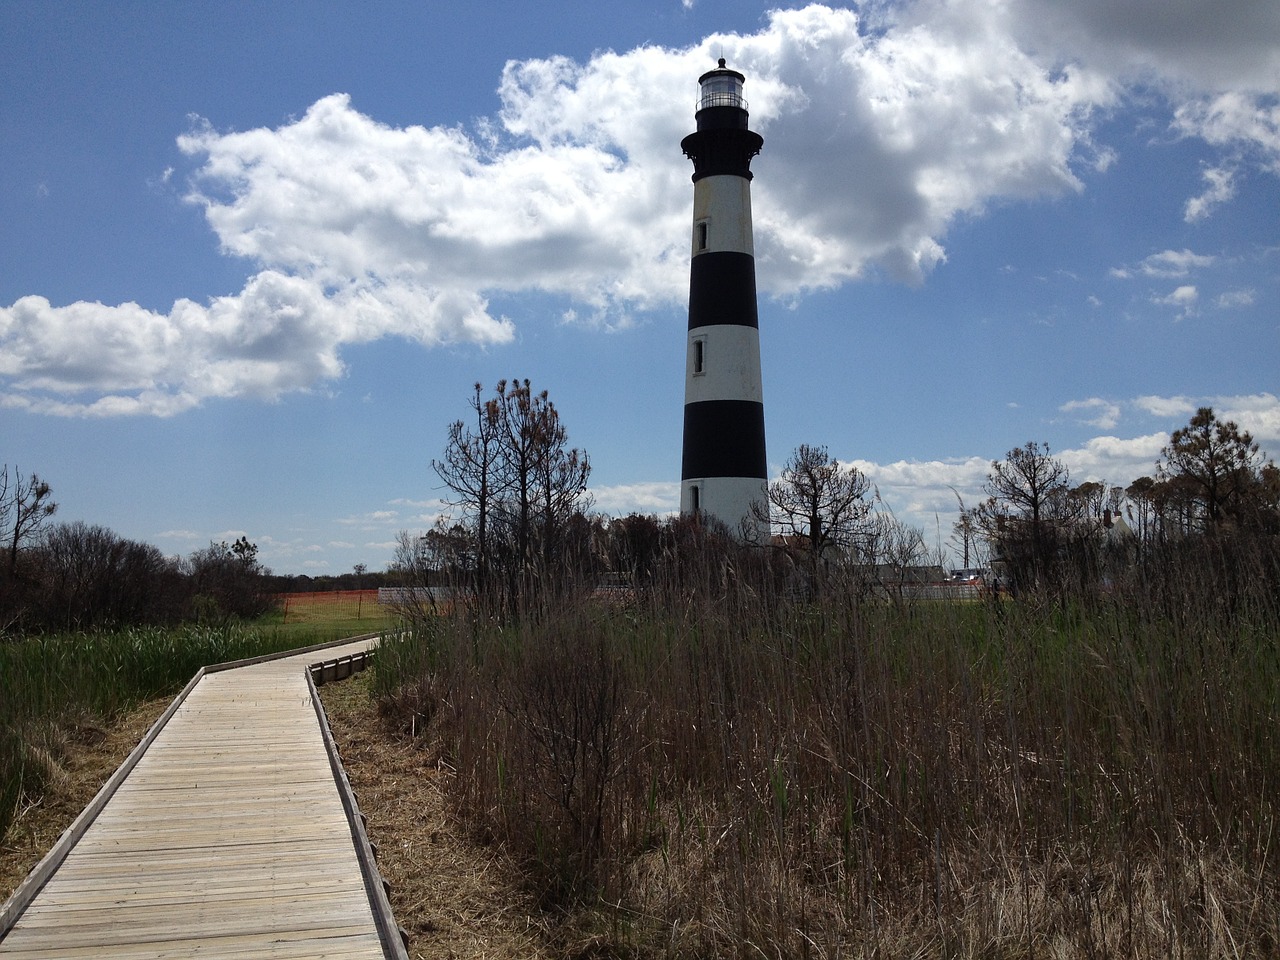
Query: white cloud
<point>282,333</point>
<point>1236,298</point>
<point>1238,119</point>
<point>917,489</point>
<point>1259,413</point>
<point>1114,460</point>
<point>1095,412</point>
<point>1220,188</point>
<point>434,504</point>
<point>1184,298</point>
<point>1166,406</point>
<point>657,497</point>
<point>879,133</point>
<point>178,535</point>
<point>359,230</point>
<point>1174,263</point>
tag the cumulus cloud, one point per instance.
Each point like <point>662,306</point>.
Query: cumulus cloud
<point>1095,412</point>
<point>1173,263</point>
<point>881,128</point>
<point>918,489</point>
<point>281,333</point>
<point>1259,413</point>
<point>650,497</point>
<point>1165,406</point>
<point>1184,298</point>
<point>1220,187</point>
<point>1239,119</point>
<point>1114,460</point>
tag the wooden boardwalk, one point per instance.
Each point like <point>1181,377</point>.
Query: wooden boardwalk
<point>231,836</point>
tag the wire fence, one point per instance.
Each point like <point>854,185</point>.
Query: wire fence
<point>330,605</point>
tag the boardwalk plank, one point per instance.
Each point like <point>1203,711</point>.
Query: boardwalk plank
<point>228,839</point>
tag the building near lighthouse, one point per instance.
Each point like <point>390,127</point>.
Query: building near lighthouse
<point>723,469</point>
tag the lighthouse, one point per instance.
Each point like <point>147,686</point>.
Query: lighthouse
<point>723,469</point>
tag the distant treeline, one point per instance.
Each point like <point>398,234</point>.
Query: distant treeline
<point>302,583</point>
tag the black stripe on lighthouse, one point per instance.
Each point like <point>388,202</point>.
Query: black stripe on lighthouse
<point>723,438</point>
<point>722,289</point>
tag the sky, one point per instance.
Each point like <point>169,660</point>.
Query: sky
<point>253,257</point>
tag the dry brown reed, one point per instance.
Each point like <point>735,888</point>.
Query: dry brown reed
<point>714,766</point>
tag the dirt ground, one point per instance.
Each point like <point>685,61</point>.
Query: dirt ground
<point>88,756</point>
<point>455,898</point>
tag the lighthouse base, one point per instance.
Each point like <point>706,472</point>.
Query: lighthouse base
<point>729,500</point>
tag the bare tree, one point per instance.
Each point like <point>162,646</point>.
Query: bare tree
<point>518,484</point>
<point>965,532</point>
<point>470,470</point>
<point>818,501</point>
<point>1027,498</point>
<point>892,548</point>
<point>526,429</point>
<point>89,577</point>
<point>24,507</point>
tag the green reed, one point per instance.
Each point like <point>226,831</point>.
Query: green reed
<point>51,684</point>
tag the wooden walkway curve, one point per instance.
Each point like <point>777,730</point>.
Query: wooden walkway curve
<point>229,832</point>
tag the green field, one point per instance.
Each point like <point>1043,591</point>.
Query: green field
<point>53,685</point>
<point>329,615</point>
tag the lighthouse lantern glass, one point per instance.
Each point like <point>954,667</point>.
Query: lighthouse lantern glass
<point>721,90</point>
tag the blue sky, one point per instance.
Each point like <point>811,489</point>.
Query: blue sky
<point>253,256</point>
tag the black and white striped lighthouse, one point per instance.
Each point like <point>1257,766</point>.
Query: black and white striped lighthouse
<point>723,470</point>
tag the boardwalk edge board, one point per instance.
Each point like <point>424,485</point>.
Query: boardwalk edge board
<point>17,904</point>
<point>393,939</point>
<point>283,654</point>
<point>13,908</point>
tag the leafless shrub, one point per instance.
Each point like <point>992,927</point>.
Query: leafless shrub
<point>712,765</point>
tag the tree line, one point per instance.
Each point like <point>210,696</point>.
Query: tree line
<point>1214,498</point>
<point>521,534</point>
<point>81,576</point>
<point>521,537</point>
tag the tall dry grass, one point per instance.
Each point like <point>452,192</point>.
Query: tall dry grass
<point>53,684</point>
<point>715,768</point>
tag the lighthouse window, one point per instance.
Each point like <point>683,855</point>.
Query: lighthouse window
<point>699,356</point>
<point>695,499</point>
<point>702,235</point>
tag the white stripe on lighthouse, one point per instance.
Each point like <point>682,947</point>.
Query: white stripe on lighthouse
<point>730,361</point>
<point>723,203</point>
<point>724,497</point>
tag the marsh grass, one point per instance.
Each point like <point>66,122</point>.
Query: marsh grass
<point>722,771</point>
<point>355,611</point>
<point>53,686</point>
